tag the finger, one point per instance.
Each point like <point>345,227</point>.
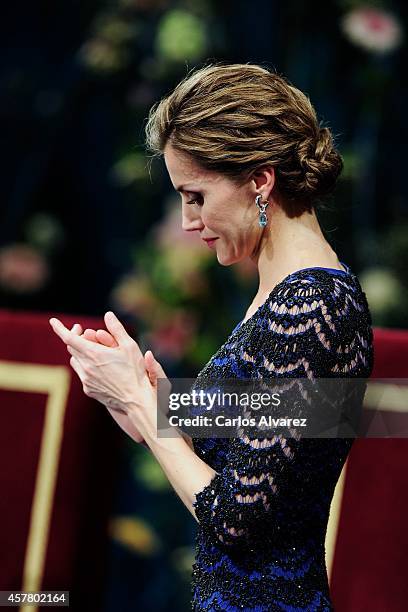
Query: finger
<point>119,333</point>
<point>150,366</point>
<point>105,338</point>
<point>154,365</point>
<point>69,337</point>
<point>115,327</point>
<point>90,334</point>
<point>77,329</point>
<point>100,336</point>
<point>155,371</point>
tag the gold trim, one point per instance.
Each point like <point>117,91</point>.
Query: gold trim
<point>54,381</point>
<point>386,397</point>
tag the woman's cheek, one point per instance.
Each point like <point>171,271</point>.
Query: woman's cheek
<point>213,224</point>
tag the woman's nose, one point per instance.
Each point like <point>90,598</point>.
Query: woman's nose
<point>191,219</point>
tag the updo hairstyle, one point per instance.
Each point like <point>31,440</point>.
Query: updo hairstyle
<point>235,118</point>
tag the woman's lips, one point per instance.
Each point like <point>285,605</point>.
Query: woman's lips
<point>210,241</point>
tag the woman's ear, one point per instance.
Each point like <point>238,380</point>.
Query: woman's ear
<point>264,180</point>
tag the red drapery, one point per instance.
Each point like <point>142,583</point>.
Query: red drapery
<point>369,567</point>
<point>59,452</point>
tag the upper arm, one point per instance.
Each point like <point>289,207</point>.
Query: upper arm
<point>241,499</point>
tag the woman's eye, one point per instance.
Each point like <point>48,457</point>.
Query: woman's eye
<point>197,200</point>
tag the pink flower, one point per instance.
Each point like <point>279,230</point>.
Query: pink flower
<point>372,29</point>
<point>133,294</point>
<point>169,233</point>
<point>183,253</point>
<point>22,268</point>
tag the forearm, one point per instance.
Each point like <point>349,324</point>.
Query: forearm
<point>185,436</point>
<point>186,472</point>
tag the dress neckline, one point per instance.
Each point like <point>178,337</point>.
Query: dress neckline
<point>345,272</point>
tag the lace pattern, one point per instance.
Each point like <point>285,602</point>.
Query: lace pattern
<point>263,517</point>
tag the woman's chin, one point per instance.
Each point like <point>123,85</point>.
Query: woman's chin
<point>222,260</point>
<point>226,260</point>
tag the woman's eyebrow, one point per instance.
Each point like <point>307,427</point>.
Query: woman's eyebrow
<point>183,189</point>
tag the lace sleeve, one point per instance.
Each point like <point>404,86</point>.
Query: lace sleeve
<point>239,501</point>
<point>301,333</point>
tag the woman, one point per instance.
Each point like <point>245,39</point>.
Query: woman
<point>244,149</point>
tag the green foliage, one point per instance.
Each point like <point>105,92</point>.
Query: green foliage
<point>181,36</point>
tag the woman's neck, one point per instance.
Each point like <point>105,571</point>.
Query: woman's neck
<point>288,245</point>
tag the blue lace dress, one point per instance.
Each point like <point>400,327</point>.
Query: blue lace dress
<point>262,519</point>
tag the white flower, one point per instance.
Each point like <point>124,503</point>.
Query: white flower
<point>372,29</point>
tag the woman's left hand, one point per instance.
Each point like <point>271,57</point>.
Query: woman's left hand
<point>115,376</point>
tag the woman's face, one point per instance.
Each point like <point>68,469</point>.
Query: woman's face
<point>216,207</point>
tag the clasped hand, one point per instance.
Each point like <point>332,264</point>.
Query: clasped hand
<point>114,371</point>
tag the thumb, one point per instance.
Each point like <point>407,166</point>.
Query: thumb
<point>155,371</point>
<point>153,368</point>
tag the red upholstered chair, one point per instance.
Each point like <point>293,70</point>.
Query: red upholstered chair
<point>59,453</point>
<point>367,539</point>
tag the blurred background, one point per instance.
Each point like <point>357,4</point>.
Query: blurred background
<point>85,227</point>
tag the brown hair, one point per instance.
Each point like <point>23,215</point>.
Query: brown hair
<point>235,118</point>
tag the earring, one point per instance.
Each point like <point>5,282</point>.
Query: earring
<point>263,219</point>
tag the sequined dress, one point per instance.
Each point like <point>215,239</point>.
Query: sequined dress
<point>262,519</point>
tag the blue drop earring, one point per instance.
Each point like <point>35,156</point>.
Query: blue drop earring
<point>263,219</point>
